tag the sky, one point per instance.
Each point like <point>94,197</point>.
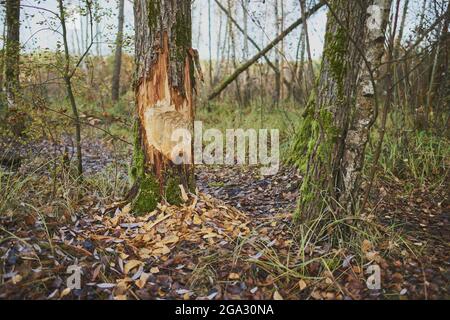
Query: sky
<point>36,25</point>
<point>39,30</point>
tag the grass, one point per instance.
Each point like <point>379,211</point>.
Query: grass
<point>414,157</point>
<point>12,187</point>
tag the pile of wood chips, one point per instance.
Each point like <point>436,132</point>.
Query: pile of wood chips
<point>201,223</point>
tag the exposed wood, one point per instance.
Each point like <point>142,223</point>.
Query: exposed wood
<point>164,98</point>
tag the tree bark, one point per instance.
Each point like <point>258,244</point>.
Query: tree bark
<point>118,54</point>
<point>331,142</point>
<point>164,101</point>
<point>67,75</point>
<point>12,51</point>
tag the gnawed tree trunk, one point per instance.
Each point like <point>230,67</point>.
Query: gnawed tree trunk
<point>164,100</point>
<point>331,142</point>
<point>12,51</point>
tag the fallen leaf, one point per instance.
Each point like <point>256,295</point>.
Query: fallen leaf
<point>121,288</point>
<point>126,209</point>
<point>234,276</point>
<point>131,265</point>
<point>65,292</point>
<point>161,251</point>
<point>170,239</point>
<point>106,285</point>
<point>197,220</point>
<point>16,279</point>
<point>212,295</point>
<point>366,246</point>
<point>142,280</point>
<point>277,296</point>
<point>154,270</point>
<point>302,284</point>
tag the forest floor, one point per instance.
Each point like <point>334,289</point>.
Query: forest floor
<point>234,239</point>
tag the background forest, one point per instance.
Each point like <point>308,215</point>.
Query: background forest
<point>364,145</point>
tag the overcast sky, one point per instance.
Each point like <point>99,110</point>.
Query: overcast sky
<point>36,25</point>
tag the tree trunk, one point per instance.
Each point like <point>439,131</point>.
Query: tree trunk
<point>276,97</point>
<point>12,51</point>
<point>68,82</point>
<point>164,101</point>
<point>331,141</point>
<point>118,54</point>
<point>2,68</point>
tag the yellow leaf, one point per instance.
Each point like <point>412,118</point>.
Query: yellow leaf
<point>316,295</point>
<point>197,220</point>
<point>366,246</point>
<point>302,284</point>
<point>121,297</point>
<point>131,265</point>
<point>277,296</point>
<point>234,276</point>
<point>145,253</point>
<point>121,288</point>
<point>65,292</point>
<point>210,235</point>
<point>142,280</point>
<point>154,270</point>
<point>126,209</point>
<point>147,237</point>
<point>170,239</point>
<point>16,279</point>
<point>123,255</point>
<point>161,251</point>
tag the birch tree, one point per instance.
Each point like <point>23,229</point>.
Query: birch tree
<point>118,53</point>
<point>330,145</point>
<point>12,51</point>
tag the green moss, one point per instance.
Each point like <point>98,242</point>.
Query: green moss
<point>314,126</point>
<point>172,190</point>
<point>182,31</point>
<point>335,53</point>
<point>148,195</point>
<point>319,124</point>
<point>154,11</point>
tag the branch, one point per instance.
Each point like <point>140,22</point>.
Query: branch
<point>228,14</point>
<point>256,57</point>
